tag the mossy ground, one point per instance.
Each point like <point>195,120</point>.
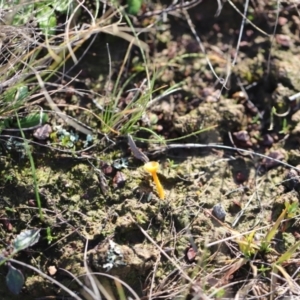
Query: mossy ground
<point>77,209</point>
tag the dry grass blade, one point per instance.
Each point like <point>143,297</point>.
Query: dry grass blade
<point>23,55</point>
<point>248,21</point>
<point>270,235</point>
<point>15,43</point>
<point>176,265</point>
<point>287,255</point>
<point>71,293</point>
<point>91,281</point>
<point>116,29</point>
<point>120,32</point>
<point>294,287</point>
<point>53,106</point>
<point>137,153</point>
<point>232,269</point>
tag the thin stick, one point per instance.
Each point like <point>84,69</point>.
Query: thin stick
<point>273,39</point>
<point>248,21</point>
<point>240,34</point>
<point>71,293</point>
<point>163,252</point>
<point>176,146</point>
<point>191,25</point>
<point>137,153</point>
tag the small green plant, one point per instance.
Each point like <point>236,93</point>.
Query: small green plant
<point>33,169</point>
<point>265,244</point>
<point>249,247</point>
<point>285,127</point>
<point>258,248</point>
<point>134,6</point>
<point>292,209</point>
<point>43,12</point>
<point>220,293</point>
<point>124,121</point>
<point>49,237</point>
<point>256,119</point>
<point>277,266</point>
<point>172,164</point>
<point>263,270</point>
<point>14,278</point>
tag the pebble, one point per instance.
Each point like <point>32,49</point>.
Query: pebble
<point>218,211</point>
<point>190,254</point>
<point>242,136</point>
<point>292,180</point>
<point>119,180</point>
<point>52,270</point>
<point>43,132</point>
<point>270,163</point>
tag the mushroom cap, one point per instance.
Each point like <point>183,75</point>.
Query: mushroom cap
<point>151,166</point>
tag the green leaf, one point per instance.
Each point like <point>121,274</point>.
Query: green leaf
<point>62,5</point>
<point>26,239</point>
<point>22,93</point>
<point>287,255</point>
<point>14,280</point>
<point>48,26</point>
<point>50,238</point>
<point>4,124</point>
<point>134,6</point>
<point>47,20</point>
<point>291,209</point>
<point>270,235</point>
<point>32,120</point>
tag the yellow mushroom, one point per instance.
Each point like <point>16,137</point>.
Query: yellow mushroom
<point>152,167</point>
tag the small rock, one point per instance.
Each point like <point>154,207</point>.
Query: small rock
<point>292,180</point>
<point>107,169</point>
<point>9,226</point>
<point>240,177</point>
<point>242,136</point>
<point>31,202</point>
<point>268,140</point>
<point>6,223</point>
<point>211,95</point>
<point>269,163</point>
<point>283,40</point>
<point>282,21</point>
<point>296,116</point>
<point>43,132</point>
<point>52,270</point>
<point>190,254</point>
<point>125,260</point>
<point>219,212</point>
<point>240,96</point>
<point>251,108</point>
<point>119,180</point>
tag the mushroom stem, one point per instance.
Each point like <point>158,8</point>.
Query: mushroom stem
<point>160,190</point>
